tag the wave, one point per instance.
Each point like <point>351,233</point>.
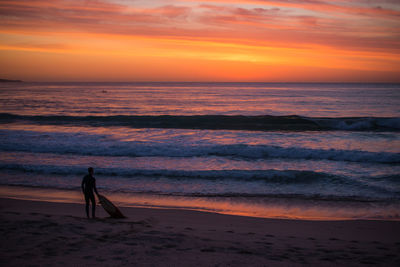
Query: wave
<point>270,176</point>
<point>275,176</point>
<point>205,183</point>
<point>218,122</point>
<point>95,145</point>
<point>359,124</point>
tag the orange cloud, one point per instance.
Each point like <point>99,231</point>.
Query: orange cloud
<point>345,6</point>
<point>262,39</point>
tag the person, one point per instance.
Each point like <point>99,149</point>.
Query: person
<point>88,186</point>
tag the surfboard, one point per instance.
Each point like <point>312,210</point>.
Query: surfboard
<point>110,207</point>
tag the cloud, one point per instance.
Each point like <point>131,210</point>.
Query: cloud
<point>364,8</point>
<point>288,31</point>
<point>272,23</point>
<point>87,14</point>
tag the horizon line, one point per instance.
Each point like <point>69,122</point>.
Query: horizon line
<point>278,82</point>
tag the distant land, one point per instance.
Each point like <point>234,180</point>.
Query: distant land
<point>9,81</point>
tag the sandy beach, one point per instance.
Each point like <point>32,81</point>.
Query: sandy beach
<point>58,234</point>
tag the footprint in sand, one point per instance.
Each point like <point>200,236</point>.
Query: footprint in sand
<point>170,246</point>
<point>207,250</point>
<point>246,252</point>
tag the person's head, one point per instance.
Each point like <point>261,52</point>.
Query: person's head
<point>90,170</point>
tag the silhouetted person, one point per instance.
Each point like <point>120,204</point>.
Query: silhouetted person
<point>88,186</point>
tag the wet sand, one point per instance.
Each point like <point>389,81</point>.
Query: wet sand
<point>58,234</point>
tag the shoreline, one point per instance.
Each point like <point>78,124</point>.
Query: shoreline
<point>59,234</point>
<point>267,208</point>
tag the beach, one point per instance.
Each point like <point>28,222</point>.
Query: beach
<point>38,233</point>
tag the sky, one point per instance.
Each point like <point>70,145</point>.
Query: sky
<point>188,40</point>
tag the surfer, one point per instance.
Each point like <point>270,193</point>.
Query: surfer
<point>88,186</point>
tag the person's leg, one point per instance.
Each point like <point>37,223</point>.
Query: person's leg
<point>93,200</point>
<point>87,205</point>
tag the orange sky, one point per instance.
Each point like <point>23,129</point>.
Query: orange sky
<point>188,40</point>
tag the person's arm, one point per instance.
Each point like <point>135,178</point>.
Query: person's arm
<point>83,185</point>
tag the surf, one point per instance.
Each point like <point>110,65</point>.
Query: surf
<point>217,122</point>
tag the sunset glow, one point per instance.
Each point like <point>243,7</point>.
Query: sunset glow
<point>188,40</point>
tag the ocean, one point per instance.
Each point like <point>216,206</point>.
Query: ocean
<point>276,150</point>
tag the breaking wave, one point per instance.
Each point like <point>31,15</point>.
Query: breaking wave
<point>218,122</point>
<point>96,145</point>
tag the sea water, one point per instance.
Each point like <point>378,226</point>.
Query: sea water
<point>287,150</point>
